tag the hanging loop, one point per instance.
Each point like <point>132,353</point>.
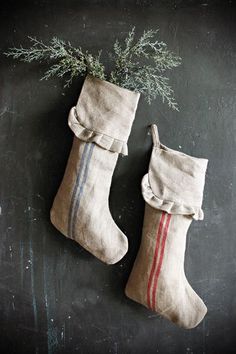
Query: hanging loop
<point>155,135</point>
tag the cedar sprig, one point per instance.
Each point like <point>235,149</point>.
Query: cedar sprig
<point>139,65</point>
<point>67,60</point>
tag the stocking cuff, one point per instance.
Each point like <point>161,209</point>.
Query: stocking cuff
<point>175,181</point>
<point>169,206</point>
<point>104,114</point>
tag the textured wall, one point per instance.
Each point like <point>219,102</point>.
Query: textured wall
<point>54,296</point>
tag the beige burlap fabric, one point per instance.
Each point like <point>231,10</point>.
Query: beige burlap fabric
<point>101,122</point>
<point>173,192</point>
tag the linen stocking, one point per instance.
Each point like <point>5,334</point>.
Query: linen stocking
<point>173,191</point>
<point>101,122</point>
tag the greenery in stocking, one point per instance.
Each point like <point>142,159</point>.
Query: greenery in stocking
<point>138,64</point>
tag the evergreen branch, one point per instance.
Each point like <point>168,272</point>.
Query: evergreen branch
<point>138,65</point>
<point>71,61</point>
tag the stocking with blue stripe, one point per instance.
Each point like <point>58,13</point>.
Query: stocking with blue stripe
<point>101,123</point>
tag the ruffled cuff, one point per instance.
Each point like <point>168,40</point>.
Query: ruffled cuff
<point>104,114</point>
<point>175,181</point>
<point>105,141</point>
<point>169,206</point>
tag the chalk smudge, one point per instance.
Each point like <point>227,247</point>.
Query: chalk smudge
<point>33,285</point>
<point>22,264</point>
<point>52,340</point>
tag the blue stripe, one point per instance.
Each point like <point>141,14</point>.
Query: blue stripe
<point>78,199</point>
<point>73,199</point>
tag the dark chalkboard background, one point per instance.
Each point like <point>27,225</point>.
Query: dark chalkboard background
<point>54,296</point>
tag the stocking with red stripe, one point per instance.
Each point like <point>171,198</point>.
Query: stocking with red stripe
<point>173,192</point>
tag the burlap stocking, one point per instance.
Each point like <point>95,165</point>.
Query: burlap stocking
<point>173,191</point>
<point>101,122</point>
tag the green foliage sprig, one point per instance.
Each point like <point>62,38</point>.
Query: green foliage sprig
<point>69,61</point>
<point>138,65</point>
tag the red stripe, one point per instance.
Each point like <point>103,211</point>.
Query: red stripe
<point>154,289</point>
<point>158,237</point>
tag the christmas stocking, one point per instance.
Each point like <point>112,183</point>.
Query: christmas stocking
<point>173,191</point>
<point>101,122</point>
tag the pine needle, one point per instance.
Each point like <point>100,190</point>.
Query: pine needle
<point>138,65</point>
